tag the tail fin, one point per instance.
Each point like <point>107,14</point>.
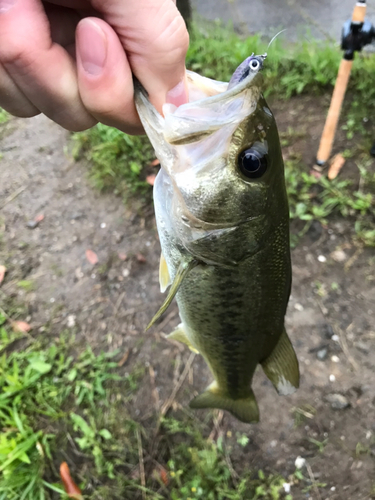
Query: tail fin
<point>244,409</point>
<point>281,367</point>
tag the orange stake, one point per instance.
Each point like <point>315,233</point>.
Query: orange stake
<point>341,85</point>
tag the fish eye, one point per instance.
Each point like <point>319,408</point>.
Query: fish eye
<point>254,64</point>
<point>252,163</point>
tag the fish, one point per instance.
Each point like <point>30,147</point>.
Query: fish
<point>222,216</point>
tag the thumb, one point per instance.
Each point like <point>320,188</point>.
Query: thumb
<point>154,36</point>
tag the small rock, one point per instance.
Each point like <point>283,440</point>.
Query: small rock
<point>141,258</point>
<point>103,225</point>
<point>32,224</point>
<point>79,273</point>
<point>118,237</point>
<point>286,487</point>
<point>321,258</point>
<point>71,321</point>
<point>361,346</point>
<point>337,401</point>
<point>300,462</point>
<point>327,331</point>
<point>332,378</point>
<point>298,307</point>
<point>322,354</point>
<point>335,359</point>
<point>339,256</point>
<point>77,215</point>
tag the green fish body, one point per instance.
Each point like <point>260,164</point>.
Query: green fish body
<point>223,220</point>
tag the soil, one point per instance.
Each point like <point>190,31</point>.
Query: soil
<point>329,421</point>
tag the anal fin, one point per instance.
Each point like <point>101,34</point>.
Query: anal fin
<point>281,367</point>
<point>244,409</point>
<point>180,335</point>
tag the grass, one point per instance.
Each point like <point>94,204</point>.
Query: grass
<point>317,199</point>
<point>4,116</point>
<point>46,394</point>
<point>117,160</point>
<point>56,406</point>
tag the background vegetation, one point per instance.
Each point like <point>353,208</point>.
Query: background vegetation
<point>60,402</point>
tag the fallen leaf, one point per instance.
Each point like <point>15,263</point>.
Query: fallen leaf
<point>3,270</point>
<point>337,162</point>
<point>141,258</point>
<point>315,174</point>
<point>92,257</point>
<point>21,326</point>
<point>155,163</point>
<point>39,218</point>
<point>70,486</point>
<point>164,476</point>
<point>124,359</point>
<point>122,256</point>
<point>150,179</point>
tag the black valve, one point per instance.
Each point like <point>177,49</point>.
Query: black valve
<point>355,36</point>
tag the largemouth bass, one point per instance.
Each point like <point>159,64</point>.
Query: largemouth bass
<point>223,220</point>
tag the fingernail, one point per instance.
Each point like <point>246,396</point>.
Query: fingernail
<point>178,95</point>
<point>6,5</point>
<point>91,47</point>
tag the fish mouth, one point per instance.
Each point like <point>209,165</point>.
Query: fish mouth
<point>212,106</point>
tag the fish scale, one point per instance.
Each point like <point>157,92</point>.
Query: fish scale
<point>223,221</point>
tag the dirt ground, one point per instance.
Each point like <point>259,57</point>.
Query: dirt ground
<point>329,421</point>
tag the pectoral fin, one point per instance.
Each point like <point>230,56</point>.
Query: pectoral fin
<point>164,278</point>
<point>180,335</point>
<point>281,367</point>
<point>182,271</point>
<point>244,409</point>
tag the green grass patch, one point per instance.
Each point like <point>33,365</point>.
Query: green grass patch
<point>57,405</point>
<point>117,160</point>
<point>316,199</point>
<point>4,116</point>
<point>46,395</point>
<point>27,285</point>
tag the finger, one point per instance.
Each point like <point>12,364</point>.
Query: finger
<point>42,70</point>
<point>12,99</point>
<point>104,76</point>
<point>156,40</point>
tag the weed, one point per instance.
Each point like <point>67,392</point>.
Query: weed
<point>40,384</point>
<point>116,159</point>
<point>316,199</point>
<point>4,116</point>
<point>27,285</point>
<point>319,444</point>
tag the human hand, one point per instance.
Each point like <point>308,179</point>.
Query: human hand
<point>73,60</point>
